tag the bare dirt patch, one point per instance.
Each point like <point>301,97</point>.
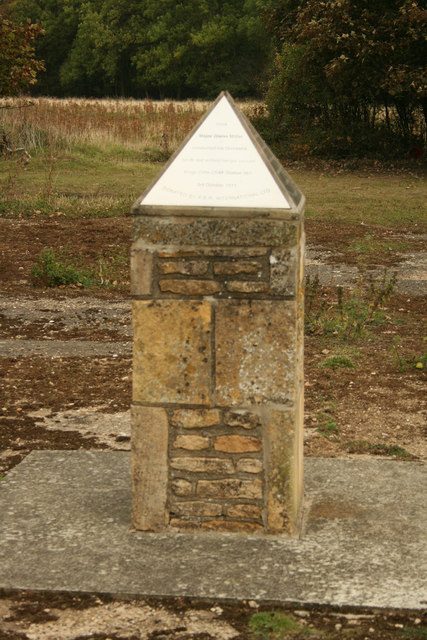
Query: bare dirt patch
<point>55,385</point>
<point>40,616</point>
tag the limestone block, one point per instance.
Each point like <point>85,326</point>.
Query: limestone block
<point>172,352</point>
<point>230,525</point>
<point>283,481</point>
<point>181,487</point>
<point>230,488</point>
<point>191,443</point>
<point>255,352</point>
<point>249,232</point>
<point>141,269</point>
<point>196,418</point>
<point>202,465</point>
<point>197,508</point>
<point>190,287</point>
<point>249,465</point>
<point>283,271</point>
<point>184,267</point>
<point>244,511</point>
<point>236,268</point>
<point>149,467</point>
<point>237,286</point>
<point>237,444</point>
<point>241,418</point>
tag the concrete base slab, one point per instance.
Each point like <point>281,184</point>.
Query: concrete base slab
<point>65,526</point>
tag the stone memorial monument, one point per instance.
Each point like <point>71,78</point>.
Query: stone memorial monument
<point>217,285</point>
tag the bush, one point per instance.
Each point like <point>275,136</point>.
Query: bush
<point>50,271</point>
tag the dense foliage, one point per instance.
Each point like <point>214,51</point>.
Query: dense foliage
<point>18,65</point>
<point>349,72</point>
<point>156,48</point>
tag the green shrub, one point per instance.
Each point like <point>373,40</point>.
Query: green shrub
<point>51,271</point>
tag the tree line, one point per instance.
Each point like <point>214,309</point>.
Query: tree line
<point>333,72</point>
<point>148,48</point>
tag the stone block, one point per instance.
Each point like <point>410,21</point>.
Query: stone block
<point>230,525</point>
<point>237,444</point>
<point>202,465</point>
<point>242,418</point>
<point>184,267</point>
<point>255,352</point>
<point>149,467</point>
<point>211,252</point>
<point>219,232</point>
<point>190,287</point>
<point>244,511</point>
<point>141,269</point>
<point>283,482</point>
<point>181,487</point>
<point>230,488</point>
<point>249,465</point>
<point>238,286</point>
<point>172,352</point>
<point>283,271</point>
<point>236,268</point>
<point>197,508</point>
<point>191,443</point>
<point>196,418</point>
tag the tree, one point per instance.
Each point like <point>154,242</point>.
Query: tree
<point>353,67</point>
<point>59,20</point>
<point>160,48</point>
<point>18,64</point>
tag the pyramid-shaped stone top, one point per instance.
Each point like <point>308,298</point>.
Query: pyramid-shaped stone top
<point>223,163</point>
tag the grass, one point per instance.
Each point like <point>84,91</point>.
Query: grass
<point>404,362</point>
<point>338,362</point>
<point>83,184</point>
<point>328,427</point>
<point>369,244</point>
<point>60,268</point>
<point>274,626</point>
<point>372,199</point>
<point>93,158</point>
<point>378,449</point>
<point>52,271</point>
<point>415,633</point>
<point>350,315</point>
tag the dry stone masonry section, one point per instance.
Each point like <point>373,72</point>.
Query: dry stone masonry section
<point>218,352</point>
<point>215,469</point>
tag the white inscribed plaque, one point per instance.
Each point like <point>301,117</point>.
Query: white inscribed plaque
<point>218,167</point>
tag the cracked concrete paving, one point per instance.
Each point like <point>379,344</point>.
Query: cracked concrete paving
<point>411,272</point>
<point>65,513</point>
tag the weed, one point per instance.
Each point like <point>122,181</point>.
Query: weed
<point>51,271</point>
<point>351,313</point>
<point>405,363</point>
<point>113,268</point>
<point>328,428</point>
<point>338,362</point>
<point>274,625</point>
<point>378,449</point>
